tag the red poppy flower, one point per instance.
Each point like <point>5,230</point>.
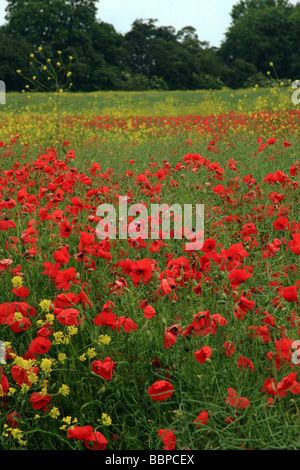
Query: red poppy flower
<point>203,354</point>
<point>68,317</point>
<point>40,345</point>
<point>244,362</point>
<point>294,244</point>
<point>246,303</point>
<point>169,339</point>
<point>4,384</point>
<point>62,256</point>
<point>80,433</point>
<point>103,368</point>
<point>238,277</point>
<point>21,292</point>
<point>289,293</point>
<point>168,438</point>
<point>141,270</point>
<point>161,390</point>
<point>96,441</point>
<point>21,375</point>
<point>12,419</point>
<point>19,326</point>
<point>281,223</point>
<point>106,319</point>
<point>235,401</point>
<point>4,264</point>
<point>228,348</point>
<point>40,401</point>
<point>149,312</point>
<point>202,418</point>
<point>64,300</point>
<point>129,325</point>
<point>155,246</point>
<point>65,229</point>
<point>5,224</point>
<point>64,278</point>
<point>287,384</point>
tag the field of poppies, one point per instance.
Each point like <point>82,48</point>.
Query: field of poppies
<point>142,344</point>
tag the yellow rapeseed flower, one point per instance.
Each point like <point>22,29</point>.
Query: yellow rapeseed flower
<point>54,412</point>
<point>24,388</point>
<point>58,337</point>
<point>67,420</point>
<point>106,420</point>
<point>91,352</point>
<point>45,305</point>
<point>50,318</point>
<point>18,316</point>
<point>72,330</point>
<point>104,339</point>
<point>18,434</point>
<point>62,357</point>
<point>64,390</point>
<point>46,365</point>
<point>17,281</point>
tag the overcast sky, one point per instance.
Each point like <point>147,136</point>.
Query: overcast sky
<point>210,18</point>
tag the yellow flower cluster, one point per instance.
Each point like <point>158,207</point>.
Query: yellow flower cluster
<point>103,339</point>
<point>45,305</point>
<point>17,281</point>
<point>106,420</point>
<point>64,390</point>
<point>16,433</point>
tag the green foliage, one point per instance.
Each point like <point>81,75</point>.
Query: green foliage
<point>152,57</point>
<point>261,31</point>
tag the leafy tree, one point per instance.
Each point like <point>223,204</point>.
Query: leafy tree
<point>179,59</point>
<point>57,22</point>
<point>14,54</point>
<point>259,33</point>
<point>294,32</point>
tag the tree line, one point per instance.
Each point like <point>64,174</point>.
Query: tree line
<point>151,56</point>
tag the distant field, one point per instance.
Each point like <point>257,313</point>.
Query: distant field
<point>82,117</point>
<point>171,103</point>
